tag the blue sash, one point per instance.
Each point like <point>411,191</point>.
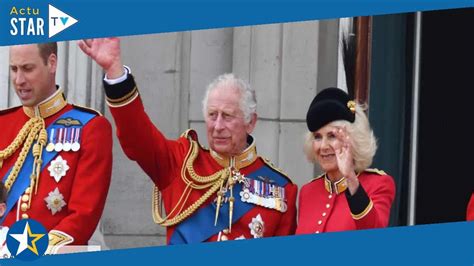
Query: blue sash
<point>23,180</point>
<point>200,226</point>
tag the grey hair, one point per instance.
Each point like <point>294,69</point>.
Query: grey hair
<point>248,100</point>
<point>363,141</point>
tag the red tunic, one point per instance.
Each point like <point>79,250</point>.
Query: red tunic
<point>470,209</point>
<point>321,211</point>
<point>84,187</point>
<point>162,159</point>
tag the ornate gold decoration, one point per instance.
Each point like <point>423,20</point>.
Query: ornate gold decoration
<point>337,187</point>
<point>33,136</point>
<point>48,107</point>
<point>33,130</point>
<point>68,122</point>
<point>219,182</point>
<point>246,158</point>
<point>352,106</point>
<point>58,239</point>
<point>193,181</point>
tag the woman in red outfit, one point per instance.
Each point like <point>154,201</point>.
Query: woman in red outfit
<point>349,195</point>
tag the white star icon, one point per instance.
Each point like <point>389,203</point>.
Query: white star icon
<point>23,239</point>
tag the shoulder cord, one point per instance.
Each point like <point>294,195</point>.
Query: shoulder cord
<point>33,130</point>
<point>194,181</point>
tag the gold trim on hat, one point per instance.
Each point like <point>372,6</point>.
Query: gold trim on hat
<point>352,106</point>
<point>48,107</point>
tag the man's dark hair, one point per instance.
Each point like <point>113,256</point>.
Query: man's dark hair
<point>46,49</point>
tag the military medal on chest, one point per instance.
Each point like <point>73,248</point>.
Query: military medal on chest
<point>58,146</point>
<point>76,146</point>
<point>257,227</point>
<point>263,193</point>
<point>65,137</point>
<point>55,201</point>
<point>50,146</point>
<point>58,168</point>
<point>235,177</point>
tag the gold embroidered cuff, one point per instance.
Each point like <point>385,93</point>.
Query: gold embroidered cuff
<point>58,239</point>
<point>123,100</point>
<point>364,212</point>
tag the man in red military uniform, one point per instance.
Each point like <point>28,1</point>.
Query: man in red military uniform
<point>223,193</point>
<point>55,158</point>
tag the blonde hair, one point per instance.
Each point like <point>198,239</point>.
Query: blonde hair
<point>362,139</point>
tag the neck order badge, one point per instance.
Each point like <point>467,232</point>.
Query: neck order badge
<point>27,240</point>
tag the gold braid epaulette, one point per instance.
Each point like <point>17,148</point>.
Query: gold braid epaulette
<point>33,130</point>
<point>376,171</point>
<point>193,181</point>
<point>278,170</point>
